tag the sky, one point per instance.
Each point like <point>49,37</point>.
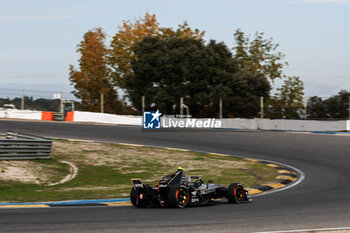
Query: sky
<point>39,38</point>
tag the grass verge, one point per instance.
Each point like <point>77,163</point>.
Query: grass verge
<point>105,171</point>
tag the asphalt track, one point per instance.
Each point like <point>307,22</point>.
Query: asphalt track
<point>322,200</point>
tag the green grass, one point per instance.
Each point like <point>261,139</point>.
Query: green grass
<point>105,171</point>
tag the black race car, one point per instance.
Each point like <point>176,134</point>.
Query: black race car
<point>177,190</point>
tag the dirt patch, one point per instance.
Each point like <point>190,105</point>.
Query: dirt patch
<point>22,171</point>
<point>29,172</point>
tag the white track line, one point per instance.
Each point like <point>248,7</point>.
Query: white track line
<point>72,174</point>
<point>308,230</point>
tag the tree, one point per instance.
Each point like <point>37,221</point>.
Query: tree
<point>243,95</point>
<point>336,106</point>
<point>258,55</point>
<point>316,108</point>
<point>93,78</point>
<point>166,69</point>
<point>288,101</point>
<point>43,104</point>
<point>123,42</point>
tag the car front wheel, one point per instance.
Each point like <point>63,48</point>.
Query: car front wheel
<point>235,193</point>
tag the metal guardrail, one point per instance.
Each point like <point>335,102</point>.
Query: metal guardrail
<point>23,146</point>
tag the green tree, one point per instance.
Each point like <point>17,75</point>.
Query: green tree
<point>166,69</point>
<point>121,48</point>
<point>316,108</point>
<point>288,101</point>
<point>47,105</point>
<point>37,104</point>
<point>93,78</point>
<point>258,55</point>
<point>336,106</point>
<point>243,94</point>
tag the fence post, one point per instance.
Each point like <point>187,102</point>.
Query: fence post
<point>220,106</point>
<point>102,103</point>
<point>143,104</point>
<point>22,102</point>
<point>181,107</point>
<point>262,107</point>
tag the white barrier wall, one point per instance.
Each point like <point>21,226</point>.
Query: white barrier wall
<point>298,125</point>
<point>239,123</point>
<point>20,114</point>
<point>106,118</point>
<point>268,124</point>
<point>233,123</point>
<point>302,125</point>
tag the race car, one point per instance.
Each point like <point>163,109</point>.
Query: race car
<point>177,190</point>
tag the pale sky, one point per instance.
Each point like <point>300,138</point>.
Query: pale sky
<point>39,37</point>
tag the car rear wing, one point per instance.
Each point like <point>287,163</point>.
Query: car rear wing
<point>137,183</point>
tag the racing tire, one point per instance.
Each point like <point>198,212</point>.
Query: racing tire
<point>235,193</point>
<point>178,197</point>
<point>135,200</point>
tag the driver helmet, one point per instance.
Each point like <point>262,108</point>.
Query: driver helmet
<point>181,169</point>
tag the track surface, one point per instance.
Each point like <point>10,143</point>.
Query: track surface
<point>321,200</point>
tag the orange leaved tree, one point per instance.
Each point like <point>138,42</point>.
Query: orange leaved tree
<point>93,77</point>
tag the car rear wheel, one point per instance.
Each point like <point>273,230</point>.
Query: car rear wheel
<point>178,197</point>
<point>235,193</point>
<point>135,198</point>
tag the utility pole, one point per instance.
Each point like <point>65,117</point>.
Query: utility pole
<point>220,106</point>
<point>349,107</point>
<point>262,107</point>
<point>102,103</point>
<point>181,107</point>
<point>305,108</point>
<point>143,104</point>
<point>61,102</point>
<point>22,102</point>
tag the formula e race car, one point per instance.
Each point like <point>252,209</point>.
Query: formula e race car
<point>177,190</point>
